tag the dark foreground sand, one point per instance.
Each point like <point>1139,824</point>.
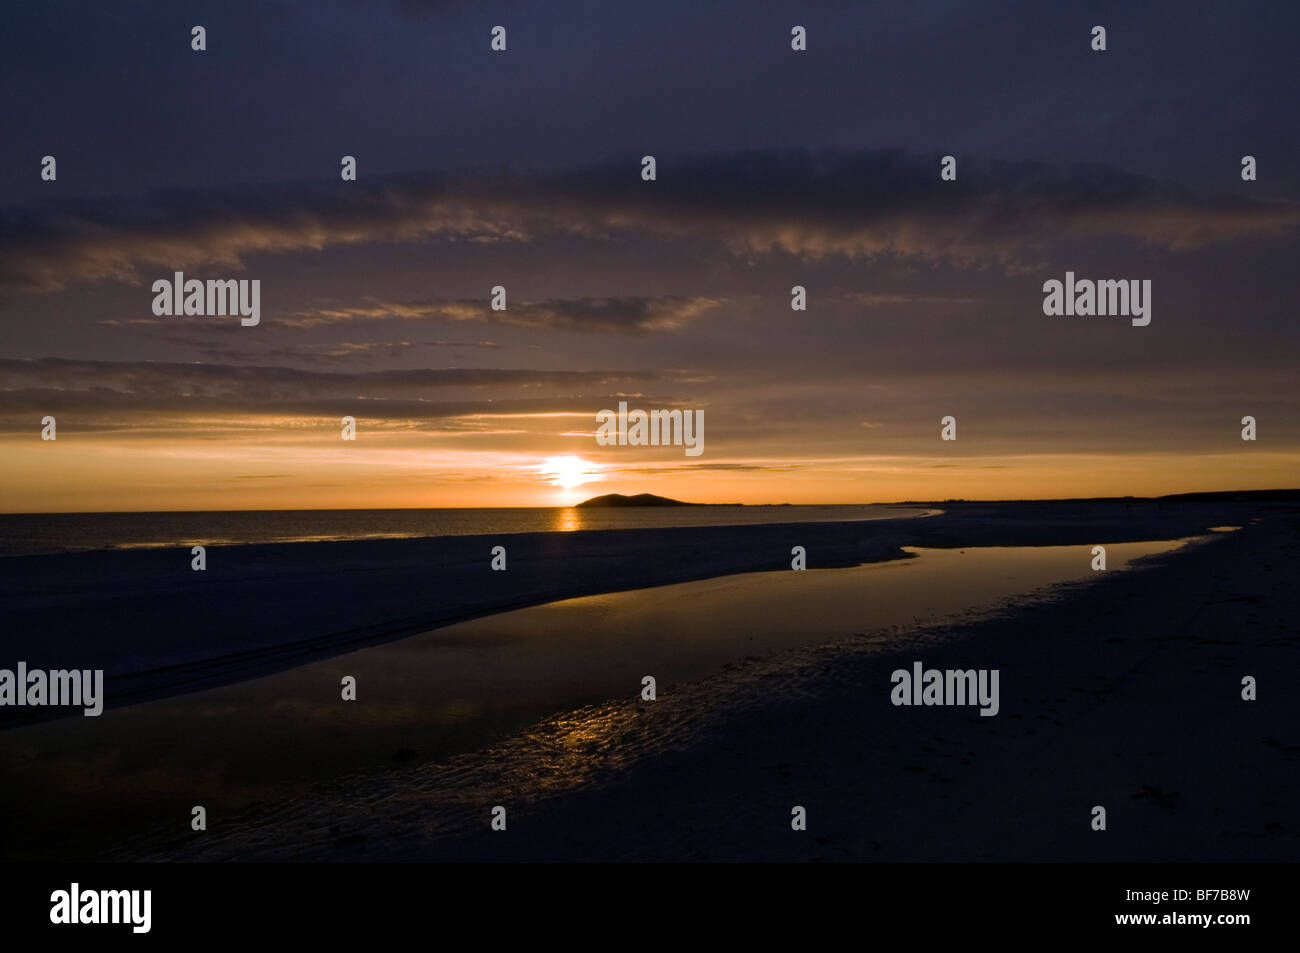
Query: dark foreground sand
<point>157,628</point>
<point>1123,692</point>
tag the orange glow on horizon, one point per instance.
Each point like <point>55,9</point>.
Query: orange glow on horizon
<point>99,473</point>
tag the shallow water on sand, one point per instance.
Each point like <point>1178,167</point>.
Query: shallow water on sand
<point>79,785</point>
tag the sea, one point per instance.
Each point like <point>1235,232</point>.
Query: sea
<point>26,534</point>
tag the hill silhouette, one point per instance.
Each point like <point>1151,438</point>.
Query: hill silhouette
<point>641,499</point>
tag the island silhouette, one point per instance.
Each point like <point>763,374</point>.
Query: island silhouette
<point>641,499</point>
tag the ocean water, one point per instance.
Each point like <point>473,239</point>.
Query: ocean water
<point>36,533</point>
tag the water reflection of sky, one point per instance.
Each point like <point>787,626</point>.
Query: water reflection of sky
<point>460,688</point>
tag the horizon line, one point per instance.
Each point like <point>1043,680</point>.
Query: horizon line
<point>1263,494</point>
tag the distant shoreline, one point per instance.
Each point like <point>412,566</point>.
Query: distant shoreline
<point>1207,496</point>
<point>104,532</point>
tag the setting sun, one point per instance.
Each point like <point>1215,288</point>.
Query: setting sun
<point>568,472</point>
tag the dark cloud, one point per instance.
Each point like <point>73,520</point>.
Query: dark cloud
<point>200,416</point>
<point>855,204</point>
<point>176,399</point>
<point>335,354</point>
<point>157,379</point>
<point>632,314</point>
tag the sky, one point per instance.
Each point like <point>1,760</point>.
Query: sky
<point>523,169</point>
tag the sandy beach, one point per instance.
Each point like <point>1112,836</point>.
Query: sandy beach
<point>157,628</point>
<point>1119,688</point>
<point>1123,692</point>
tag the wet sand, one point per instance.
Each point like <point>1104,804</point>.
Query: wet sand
<point>1122,691</point>
<point>467,686</point>
<point>771,685</point>
<point>157,628</point>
